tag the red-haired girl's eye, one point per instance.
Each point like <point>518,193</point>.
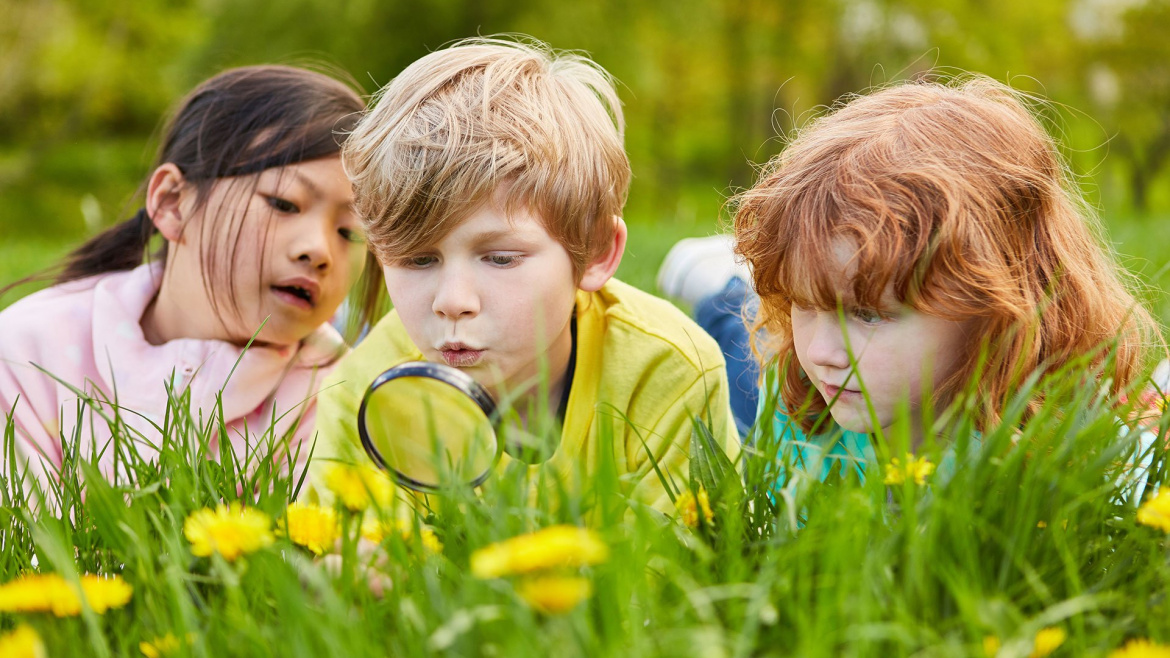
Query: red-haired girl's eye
<point>866,315</point>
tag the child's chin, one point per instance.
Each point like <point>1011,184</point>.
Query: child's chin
<point>280,336</point>
<point>848,420</point>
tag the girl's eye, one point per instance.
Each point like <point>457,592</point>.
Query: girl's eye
<point>282,205</point>
<point>352,235</point>
<point>502,259</point>
<point>867,315</point>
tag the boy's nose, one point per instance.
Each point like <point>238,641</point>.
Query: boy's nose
<point>455,296</point>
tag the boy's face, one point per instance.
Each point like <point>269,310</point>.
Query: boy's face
<point>493,298</point>
<point>895,350</point>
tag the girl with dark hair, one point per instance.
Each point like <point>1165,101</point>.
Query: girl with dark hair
<point>257,246</point>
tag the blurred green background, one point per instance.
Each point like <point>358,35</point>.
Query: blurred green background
<point>710,87</point>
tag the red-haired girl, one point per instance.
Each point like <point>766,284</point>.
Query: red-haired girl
<point>914,238</point>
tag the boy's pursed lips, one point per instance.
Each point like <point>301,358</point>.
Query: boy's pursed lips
<point>460,355</point>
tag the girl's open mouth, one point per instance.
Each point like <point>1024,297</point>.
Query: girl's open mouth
<point>295,295</point>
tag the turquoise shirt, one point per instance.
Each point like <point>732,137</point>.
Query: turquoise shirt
<point>842,450</point>
<point>819,454</point>
<point>833,448</point>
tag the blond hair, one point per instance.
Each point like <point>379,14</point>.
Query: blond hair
<point>491,120</point>
<point>957,198</point>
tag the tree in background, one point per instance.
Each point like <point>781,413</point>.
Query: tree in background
<point>1130,86</point>
<point>710,86</point>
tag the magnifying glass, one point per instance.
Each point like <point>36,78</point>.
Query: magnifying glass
<point>432,426</point>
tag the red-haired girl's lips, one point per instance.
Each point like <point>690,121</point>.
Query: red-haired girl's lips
<point>841,394</point>
<point>461,358</point>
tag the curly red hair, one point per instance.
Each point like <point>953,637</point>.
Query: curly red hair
<point>958,199</point>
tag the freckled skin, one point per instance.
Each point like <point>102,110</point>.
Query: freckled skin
<point>894,349</point>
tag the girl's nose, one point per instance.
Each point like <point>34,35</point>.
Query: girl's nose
<point>827,347</point>
<point>311,244</point>
<point>456,296</point>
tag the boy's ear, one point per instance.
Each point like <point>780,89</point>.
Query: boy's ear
<point>603,267</point>
<point>165,192</point>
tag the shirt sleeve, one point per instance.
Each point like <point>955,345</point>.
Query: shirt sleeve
<point>334,437</point>
<point>668,442</point>
<point>28,399</point>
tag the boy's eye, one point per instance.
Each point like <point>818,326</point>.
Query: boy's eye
<point>418,261</point>
<point>282,205</point>
<point>867,315</point>
<point>502,259</point>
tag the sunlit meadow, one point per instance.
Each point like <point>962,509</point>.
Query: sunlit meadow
<point>1039,537</point>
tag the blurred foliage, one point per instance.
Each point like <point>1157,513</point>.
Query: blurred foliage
<point>710,86</point>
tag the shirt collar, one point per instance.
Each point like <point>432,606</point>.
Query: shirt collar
<point>137,370</point>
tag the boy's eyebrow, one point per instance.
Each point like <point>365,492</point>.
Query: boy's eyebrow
<point>497,234</point>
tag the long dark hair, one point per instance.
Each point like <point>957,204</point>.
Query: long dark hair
<point>237,123</point>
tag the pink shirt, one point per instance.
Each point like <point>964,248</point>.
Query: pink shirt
<point>87,334</point>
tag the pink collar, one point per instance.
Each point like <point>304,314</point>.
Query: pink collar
<point>137,370</point>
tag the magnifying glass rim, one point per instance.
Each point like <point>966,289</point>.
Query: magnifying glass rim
<point>458,380</point>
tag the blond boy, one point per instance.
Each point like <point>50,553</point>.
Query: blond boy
<point>490,178</point>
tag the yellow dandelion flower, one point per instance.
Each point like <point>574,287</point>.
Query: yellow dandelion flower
<point>23,642</point>
<point>689,505</point>
<point>105,593</point>
<point>311,526</point>
<point>375,531</point>
<point>52,593</point>
<point>554,595</point>
<point>990,646</point>
<point>917,469</point>
<point>231,531</point>
<point>33,593</point>
<point>1047,640</point>
<point>429,540</point>
<point>560,546</point>
<point>1141,649</point>
<point>1155,512</point>
<point>163,646</point>
<point>357,487</point>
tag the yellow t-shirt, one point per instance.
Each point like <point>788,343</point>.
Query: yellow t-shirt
<point>636,354</point>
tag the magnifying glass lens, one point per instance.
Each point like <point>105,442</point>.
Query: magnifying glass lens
<point>429,433</point>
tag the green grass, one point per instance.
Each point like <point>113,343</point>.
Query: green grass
<point>21,258</point>
<point>1033,526</point>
